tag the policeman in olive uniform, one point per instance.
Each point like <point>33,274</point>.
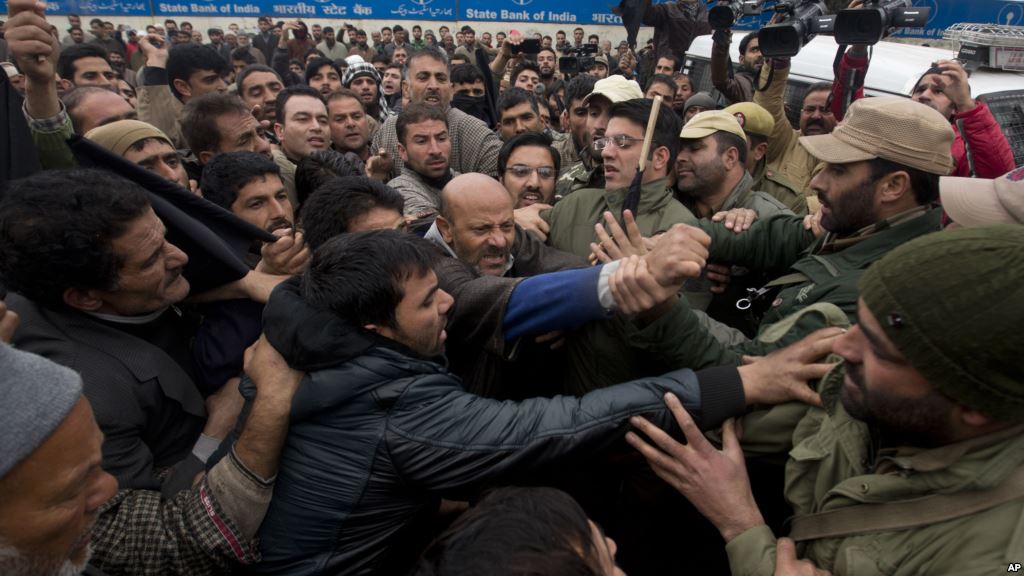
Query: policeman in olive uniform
<point>719,130</point>
<point>758,124</point>
<point>813,271</point>
<point>815,280</point>
<point>915,462</point>
<point>711,176</point>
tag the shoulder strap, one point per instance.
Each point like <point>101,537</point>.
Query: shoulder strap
<point>891,516</point>
<point>788,279</point>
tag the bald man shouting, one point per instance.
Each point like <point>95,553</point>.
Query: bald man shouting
<point>477,225</point>
<point>511,291</point>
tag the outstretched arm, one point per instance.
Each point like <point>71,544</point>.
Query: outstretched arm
<point>212,526</point>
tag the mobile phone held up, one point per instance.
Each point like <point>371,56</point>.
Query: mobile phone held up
<point>531,46</point>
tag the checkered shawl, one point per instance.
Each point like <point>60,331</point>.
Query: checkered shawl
<point>139,533</point>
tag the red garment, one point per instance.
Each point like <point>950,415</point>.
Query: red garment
<point>992,154</point>
<point>131,47</point>
<point>848,63</point>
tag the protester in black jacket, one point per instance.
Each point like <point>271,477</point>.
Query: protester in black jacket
<point>380,431</point>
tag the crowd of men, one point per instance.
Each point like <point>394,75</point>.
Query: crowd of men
<point>307,300</point>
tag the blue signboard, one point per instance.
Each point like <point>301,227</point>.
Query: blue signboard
<point>541,11</point>
<point>374,9</point>
<point>94,7</point>
<point>945,13</point>
<point>414,10</point>
<point>209,8</point>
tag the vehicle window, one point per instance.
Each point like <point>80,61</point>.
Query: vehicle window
<point>795,92</point>
<point>699,71</point>
<point>1008,109</point>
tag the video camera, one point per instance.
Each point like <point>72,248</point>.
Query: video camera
<point>802,20</point>
<point>723,16</point>
<point>878,19</point>
<point>579,59</point>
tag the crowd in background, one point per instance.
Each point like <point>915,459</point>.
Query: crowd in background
<point>313,299</point>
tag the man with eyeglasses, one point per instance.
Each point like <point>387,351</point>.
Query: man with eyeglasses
<point>596,100</point>
<point>528,165</point>
<point>572,221</point>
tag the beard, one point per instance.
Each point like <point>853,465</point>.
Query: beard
<point>849,211</point>
<point>14,563</point>
<point>919,422</point>
<point>752,65</point>
<point>707,178</point>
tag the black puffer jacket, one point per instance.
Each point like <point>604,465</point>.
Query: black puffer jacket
<point>379,434</point>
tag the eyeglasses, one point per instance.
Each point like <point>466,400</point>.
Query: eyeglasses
<point>523,171</point>
<point>813,109</point>
<point>622,142</point>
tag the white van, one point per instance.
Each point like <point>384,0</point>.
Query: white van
<point>895,69</point>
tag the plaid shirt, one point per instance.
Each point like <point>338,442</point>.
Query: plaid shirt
<point>46,125</point>
<point>141,534</point>
<point>475,147</point>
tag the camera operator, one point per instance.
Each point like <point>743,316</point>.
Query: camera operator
<point>980,148</point>
<point>738,87</point>
<point>787,159</point>
<point>676,24</point>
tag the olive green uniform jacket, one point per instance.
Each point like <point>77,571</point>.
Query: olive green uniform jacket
<point>767,180</point>
<point>816,271</point>
<point>599,354</point>
<point>835,463</point>
<point>580,175</point>
<point>820,291</point>
<point>567,153</point>
<point>722,307</point>
<point>572,219</point>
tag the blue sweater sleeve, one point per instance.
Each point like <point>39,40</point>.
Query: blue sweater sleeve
<point>554,301</point>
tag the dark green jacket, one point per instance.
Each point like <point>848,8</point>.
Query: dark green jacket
<point>825,270</point>
<point>722,306</point>
<point>572,219</point>
<point>599,354</point>
<point>834,465</point>
<point>825,296</point>
<point>776,186</point>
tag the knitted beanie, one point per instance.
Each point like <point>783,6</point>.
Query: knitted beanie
<point>360,69</point>
<point>952,303</point>
<point>36,395</point>
<point>119,136</point>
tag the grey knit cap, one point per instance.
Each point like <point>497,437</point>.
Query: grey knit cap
<point>702,99</point>
<point>36,395</point>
